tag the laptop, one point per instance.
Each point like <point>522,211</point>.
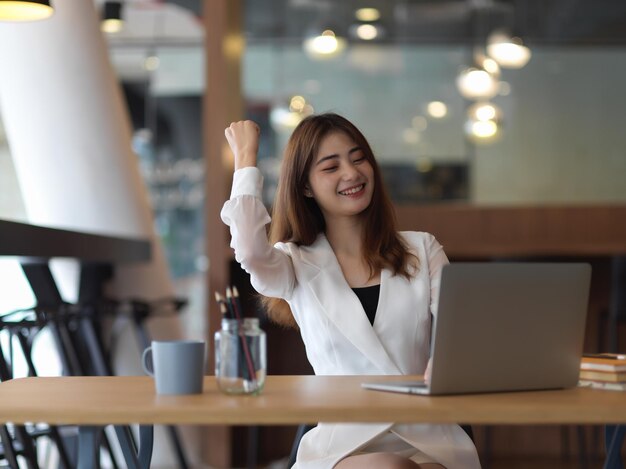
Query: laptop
<point>505,327</point>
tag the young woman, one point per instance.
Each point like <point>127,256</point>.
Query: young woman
<point>361,293</point>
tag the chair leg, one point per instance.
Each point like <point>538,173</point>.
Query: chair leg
<point>58,440</point>
<point>614,436</point>
<point>29,451</point>
<point>7,445</point>
<point>487,447</point>
<point>178,447</point>
<point>583,457</point>
<point>253,446</point>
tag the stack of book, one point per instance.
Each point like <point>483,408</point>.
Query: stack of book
<point>603,371</point>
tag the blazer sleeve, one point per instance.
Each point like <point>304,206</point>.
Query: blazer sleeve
<point>271,269</point>
<point>436,260</point>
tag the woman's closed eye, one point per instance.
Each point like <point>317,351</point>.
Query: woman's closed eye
<point>330,169</point>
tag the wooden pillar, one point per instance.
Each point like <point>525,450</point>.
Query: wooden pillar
<point>222,104</point>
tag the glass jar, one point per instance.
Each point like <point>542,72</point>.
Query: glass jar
<point>240,357</point>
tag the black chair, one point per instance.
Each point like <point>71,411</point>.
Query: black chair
<point>140,312</point>
<point>19,440</point>
<point>615,316</point>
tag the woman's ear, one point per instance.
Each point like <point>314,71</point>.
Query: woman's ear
<point>307,191</point>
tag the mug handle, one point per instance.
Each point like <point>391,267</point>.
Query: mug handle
<point>144,363</point>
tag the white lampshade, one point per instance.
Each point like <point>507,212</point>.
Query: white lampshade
<point>509,52</point>
<point>484,111</point>
<point>24,10</point>
<point>481,131</point>
<point>326,45</point>
<point>474,83</point>
<point>483,122</point>
<point>286,118</point>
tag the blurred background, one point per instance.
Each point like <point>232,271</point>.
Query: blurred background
<point>495,104</point>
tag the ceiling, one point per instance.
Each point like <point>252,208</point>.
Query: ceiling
<point>545,22</point>
<point>550,22</point>
<point>152,24</point>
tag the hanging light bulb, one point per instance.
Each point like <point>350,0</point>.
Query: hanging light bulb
<point>112,17</point>
<point>484,111</point>
<point>367,14</point>
<point>326,45</point>
<point>437,109</point>
<point>483,122</point>
<point>286,118</point>
<point>509,52</point>
<point>23,10</point>
<point>482,129</point>
<point>486,63</point>
<point>366,31</point>
<point>476,83</point>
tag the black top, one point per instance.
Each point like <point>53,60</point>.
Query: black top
<point>369,299</point>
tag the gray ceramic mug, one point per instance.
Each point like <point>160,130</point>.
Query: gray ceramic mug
<point>178,366</point>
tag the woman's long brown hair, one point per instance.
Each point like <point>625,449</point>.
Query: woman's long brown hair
<point>298,219</point>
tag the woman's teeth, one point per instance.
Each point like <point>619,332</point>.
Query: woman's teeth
<point>354,190</point>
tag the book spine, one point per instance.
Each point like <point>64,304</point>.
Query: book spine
<point>602,385</point>
<point>602,367</point>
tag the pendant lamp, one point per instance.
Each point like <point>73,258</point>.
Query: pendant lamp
<point>112,17</point>
<point>325,45</point>
<point>507,50</point>
<point>25,10</point>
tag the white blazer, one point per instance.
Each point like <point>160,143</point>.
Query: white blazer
<point>338,337</point>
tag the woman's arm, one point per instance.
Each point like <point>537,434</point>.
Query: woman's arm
<point>270,269</point>
<point>243,139</point>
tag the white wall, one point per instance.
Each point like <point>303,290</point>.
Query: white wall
<point>561,141</point>
<point>564,139</point>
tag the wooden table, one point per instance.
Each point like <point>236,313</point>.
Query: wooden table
<point>91,402</point>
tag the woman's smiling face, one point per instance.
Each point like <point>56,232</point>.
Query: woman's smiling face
<point>341,178</point>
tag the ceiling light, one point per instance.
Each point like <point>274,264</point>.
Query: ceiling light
<point>286,118</point>
<point>509,52</point>
<point>325,45</point>
<point>367,14</point>
<point>483,111</point>
<point>489,65</point>
<point>151,63</point>
<point>474,83</point>
<point>424,164</point>
<point>297,103</point>
<point>486,63</point>
<point>112,17</point>
<point>410,136</point>
<point>483,129</point>
<point>419,123</point>
<point>23,10</point>
<point>367,32</point>
<point>483,121</point>
<point>437,109</point>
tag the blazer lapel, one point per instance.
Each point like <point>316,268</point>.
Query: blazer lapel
<point>343,307</point>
